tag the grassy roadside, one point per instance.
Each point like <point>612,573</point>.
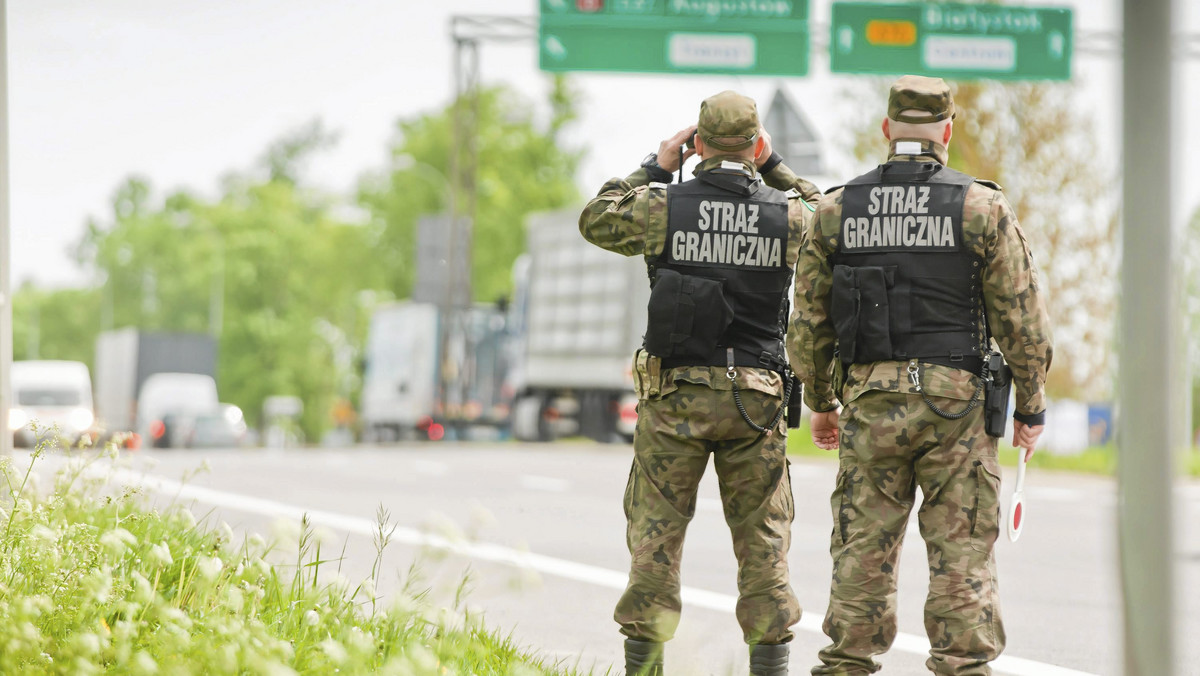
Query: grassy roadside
<point>1095,460</point>
<point>93,581</point>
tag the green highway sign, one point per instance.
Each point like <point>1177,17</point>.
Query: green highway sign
<point>743,37</point>
<point>951,40</point>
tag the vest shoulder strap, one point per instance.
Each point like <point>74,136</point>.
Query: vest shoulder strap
<point>794,194</point>
<point>991,184</point>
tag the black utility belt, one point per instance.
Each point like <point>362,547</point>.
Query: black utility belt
<point>720,359</point>
<point>973,365</point>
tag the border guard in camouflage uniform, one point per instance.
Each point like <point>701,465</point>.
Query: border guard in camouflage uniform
<point>711,378</point>
<point>908,274</point>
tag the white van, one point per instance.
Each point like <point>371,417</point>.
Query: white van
<point>50,395</point>
<point>169,403</point>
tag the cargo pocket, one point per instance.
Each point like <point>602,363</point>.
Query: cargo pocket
<point>844,306</point>
<point>862,312</point>
<point>688,315</point>
<point>843,507</point>
<point>985,516</point>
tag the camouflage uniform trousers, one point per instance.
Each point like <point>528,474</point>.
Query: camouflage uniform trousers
<point>674,437</point>
<point>890,444</point>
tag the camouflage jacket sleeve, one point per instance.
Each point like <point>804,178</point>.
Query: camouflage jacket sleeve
<point>811,336</point>
<point>782,178</point>
<point>1016,306</point>
<point>616,219</point>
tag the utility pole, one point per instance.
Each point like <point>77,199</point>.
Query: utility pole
<point>6,334</point>
<point>467,33</point>
<point>1149,435</point>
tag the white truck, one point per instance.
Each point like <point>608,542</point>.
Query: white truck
<point>578,315</point>
<point>407,368</point>
<point>51,399</point>
<point>153,383</point>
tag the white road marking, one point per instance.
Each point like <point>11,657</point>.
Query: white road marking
<point>570,570</point>
<point>545,483</point>
<point>430,468</point>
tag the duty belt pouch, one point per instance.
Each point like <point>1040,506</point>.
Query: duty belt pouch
<point>861,313</point>
<point>688,315</point>
<point>995,395</point>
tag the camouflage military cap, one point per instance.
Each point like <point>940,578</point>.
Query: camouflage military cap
<point>930,95</point>
<point>728,121</point>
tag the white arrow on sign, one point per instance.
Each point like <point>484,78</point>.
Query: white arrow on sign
<point>555,48</point>
<point>845,39</point>
<point>1057,44</point>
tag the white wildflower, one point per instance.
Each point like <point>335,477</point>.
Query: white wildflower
<point>340,583</point>
<point>209,567</point>
<point>143,592</point>
<point>87,643</point>
<point>117,540</point>
<point>161,553</point>
<point>311,618</point>
<point>481,517</point>
<point>335,651</point>
<point>99,584</point>
<point>43,535</point>
<point>144,664</point>
<point>442,525</point>
<point>286,530</point>
<point>184,518</point>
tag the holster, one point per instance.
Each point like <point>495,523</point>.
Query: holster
<point>795,405</point>
<point>995,395</point>
<point>688,315</point>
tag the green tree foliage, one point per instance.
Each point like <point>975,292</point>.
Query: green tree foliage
<point>522,168</point>
<point>1033,140</point>
<point>55,324</point>
<point>267,267</point>
<point>274,269</point>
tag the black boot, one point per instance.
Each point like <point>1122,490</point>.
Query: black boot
<point>643,658</point>
<point>769,659</point>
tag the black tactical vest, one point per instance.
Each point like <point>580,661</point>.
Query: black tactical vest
<point>723,276</point>
<point>905,285</point>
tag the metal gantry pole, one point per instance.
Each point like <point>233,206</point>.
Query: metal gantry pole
<point>6,333</point>
<point>1150,388</point>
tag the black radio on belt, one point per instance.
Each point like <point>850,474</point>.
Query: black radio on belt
<point>995,397</point>
<point>795,403</point>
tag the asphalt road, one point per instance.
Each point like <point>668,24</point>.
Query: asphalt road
<point>541,531</point>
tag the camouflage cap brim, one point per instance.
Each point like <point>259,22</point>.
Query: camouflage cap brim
<point>920,100</point>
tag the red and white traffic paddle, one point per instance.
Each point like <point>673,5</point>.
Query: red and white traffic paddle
<point>1016,510</point>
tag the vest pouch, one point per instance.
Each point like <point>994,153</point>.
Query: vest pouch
<point>861,312</point>
<point>687,315</point>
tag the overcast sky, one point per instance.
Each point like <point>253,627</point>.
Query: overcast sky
<point>182,91</point>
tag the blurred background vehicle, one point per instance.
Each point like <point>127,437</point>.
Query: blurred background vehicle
<point>169,405</point>
<point>578,316</point>
<point>53,396</point>
<point>127,360</point>
<point>406,368</point>
<point>222,428</point>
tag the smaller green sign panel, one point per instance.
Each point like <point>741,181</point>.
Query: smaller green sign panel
<point>951,40</point>
<point>745,37</point>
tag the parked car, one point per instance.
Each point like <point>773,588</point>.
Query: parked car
<point>223,428</point>
<point>56,396</point>
<point>169,405</point>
